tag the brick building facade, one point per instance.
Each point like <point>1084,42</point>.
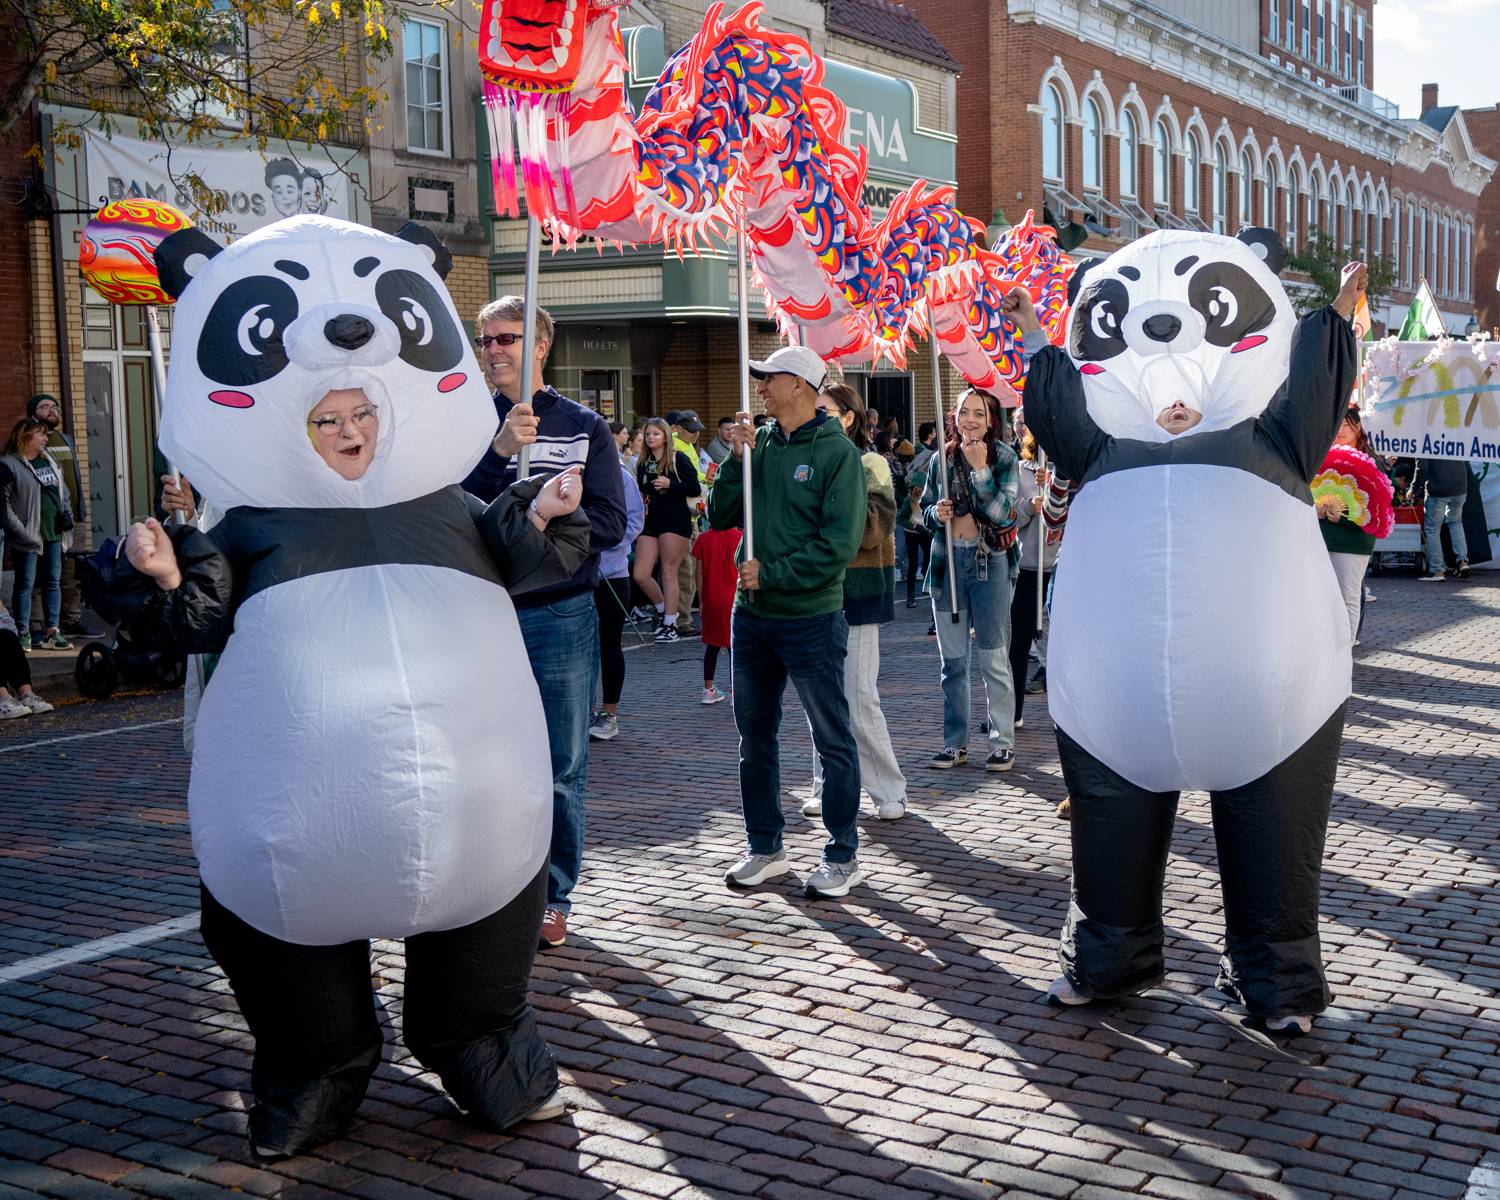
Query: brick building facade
<point>1212,114</point>
<point>1483,125</point>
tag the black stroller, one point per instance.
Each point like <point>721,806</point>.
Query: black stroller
<point>122,657</point>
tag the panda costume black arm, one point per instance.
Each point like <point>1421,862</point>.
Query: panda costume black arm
<point>1303,417</point>
<point>526,557</point>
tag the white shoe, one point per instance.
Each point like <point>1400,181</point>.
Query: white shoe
<point>549,1109</point>
<point>1370,597</point>
<point>890,810</point>
<point>834,879</point>
<point>10,709</point>
<point>36,704</point>
<point>712,695</point>
<point>757,868</point>
<point>1289,1024</point>
<point>812,808</point>
<point>1064,994</point>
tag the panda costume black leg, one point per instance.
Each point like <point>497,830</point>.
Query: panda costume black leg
<point>352,778</point>
<point>1196,640</point>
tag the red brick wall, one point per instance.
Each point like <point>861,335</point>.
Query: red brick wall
<point>1484,129</point>
<point>15,281</point>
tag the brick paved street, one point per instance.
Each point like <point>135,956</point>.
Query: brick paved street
<point>890,1046</point>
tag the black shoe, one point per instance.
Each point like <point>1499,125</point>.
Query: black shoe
<point>1462,570</point>
<point>1038,683</point>
<point>1000,760</point>
<point>667,633</point>
<point>910,603</point>
<point>950,757</point>
<point>932,630</point>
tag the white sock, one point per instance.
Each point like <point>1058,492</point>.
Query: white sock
<point>660,607</point>
<point>671,618</point>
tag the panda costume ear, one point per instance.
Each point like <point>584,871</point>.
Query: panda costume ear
<point>420,235</point>
<point>181,256</point>
<point>1075,280</point>
<point>1266,244</point>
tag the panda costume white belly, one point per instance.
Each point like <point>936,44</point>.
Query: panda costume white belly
<point>370,757</point>
<point>1198,637</point>
<point>433,782</point>
<point>1228,666</point>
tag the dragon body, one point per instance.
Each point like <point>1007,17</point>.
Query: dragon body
<point>739,131</point>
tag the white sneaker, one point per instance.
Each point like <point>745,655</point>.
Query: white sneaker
<point>10,709</point>
<point>1064,994</point>
<point>812,808</point>
<point>1289,1024</point>
<point>757,868</point>
<point>890,810</point>
<point>834,879</point>
<point>549,1109</point>
<point>605,726</point>
<point>36,704</point>
<point>1370,597</point>
<point>712,695</point>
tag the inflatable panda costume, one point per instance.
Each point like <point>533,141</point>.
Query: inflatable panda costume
<point>1198,636</point>
<point>353,776</point>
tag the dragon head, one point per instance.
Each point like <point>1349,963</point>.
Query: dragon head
<point>535,45</point>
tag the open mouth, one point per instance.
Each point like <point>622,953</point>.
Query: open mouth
<point>532,45</point>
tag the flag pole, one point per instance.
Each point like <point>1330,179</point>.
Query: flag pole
<point>937,398</point>
<point>528,337</point>
<point>1041,546</point>
<point>744,297</point>
<point>159,380</point>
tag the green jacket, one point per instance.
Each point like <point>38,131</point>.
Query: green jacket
<point>809,507</point>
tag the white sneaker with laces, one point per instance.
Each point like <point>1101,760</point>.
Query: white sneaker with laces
<point>812,808</point>
<point>834,879</point>
<point>1292,1024</point>
<point>757,868</point>
<point>712,695</point>
<point>890,810</point>
<point>1064,994</point>
<point>549,1109</point>
<point>605,726</point>
<point>10,709</point>
<point>36,704</point>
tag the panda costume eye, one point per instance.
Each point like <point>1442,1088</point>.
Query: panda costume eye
<point>1232,304</point>
<point>1097,329</point>
<point>241,343</point>
<point>429,339</point>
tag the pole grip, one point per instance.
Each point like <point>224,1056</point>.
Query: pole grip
<point>942,456</point>
<point>742,276</point>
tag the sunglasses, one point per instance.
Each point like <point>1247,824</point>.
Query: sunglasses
<point>485,341</point>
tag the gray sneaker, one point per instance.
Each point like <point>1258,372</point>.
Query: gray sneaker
<point>605,726</point>
<point>757,868</point>
<point>834,879</point>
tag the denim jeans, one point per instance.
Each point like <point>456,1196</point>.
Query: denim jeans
<point>809,650</point>
<point>984,607</point>
<point>26,564</point>
<point>1437,512</point>
<point>562,642</point>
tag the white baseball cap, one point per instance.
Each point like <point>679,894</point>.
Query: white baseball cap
<point>793,360</point>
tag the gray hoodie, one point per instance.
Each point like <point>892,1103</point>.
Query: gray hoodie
<point>23,502</point>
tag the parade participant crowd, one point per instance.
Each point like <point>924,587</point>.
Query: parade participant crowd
<point>604,529</point>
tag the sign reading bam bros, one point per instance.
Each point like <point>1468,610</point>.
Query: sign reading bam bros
<point>884,118</point>
<point>1433,399</point>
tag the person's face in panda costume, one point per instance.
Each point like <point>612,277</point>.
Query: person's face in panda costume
<point>318,363</point>
<point>1182,333</point>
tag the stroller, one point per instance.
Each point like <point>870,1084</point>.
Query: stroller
<point>123,656</point>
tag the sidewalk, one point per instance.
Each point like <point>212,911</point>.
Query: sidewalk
<point>890,1046</point>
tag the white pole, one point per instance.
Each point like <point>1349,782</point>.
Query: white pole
<point>744,289</point>
<point>528,338</point>
<point>1041,544</point>
<point>159,380</point>
<point>942,455</point>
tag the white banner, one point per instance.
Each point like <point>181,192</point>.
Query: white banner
<point>1433,399</point>
<point>256,189</point>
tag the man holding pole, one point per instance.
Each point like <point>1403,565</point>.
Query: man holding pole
<point>560,624</point>
<point>808,518</point>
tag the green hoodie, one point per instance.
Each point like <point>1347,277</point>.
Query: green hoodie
<point>809,498</point>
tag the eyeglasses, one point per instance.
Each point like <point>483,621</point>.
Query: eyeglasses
<point>486,340</point>
<point>360,418</point>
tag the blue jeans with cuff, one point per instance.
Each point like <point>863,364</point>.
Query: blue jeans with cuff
<point>562,642</point>
<point>984,594</point>
<point>810,651</point>
<point>1437,512</point>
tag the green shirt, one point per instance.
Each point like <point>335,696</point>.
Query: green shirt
<point>809,512</point>
<point>51,497</point>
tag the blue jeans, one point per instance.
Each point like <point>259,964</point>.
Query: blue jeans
<point>20,600</point>
<point>984,606</point>
<point>562,642</point>
<point>809,650</point>
<point>1437,512</point>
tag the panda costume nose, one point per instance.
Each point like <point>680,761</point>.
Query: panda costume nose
<point>348,331</point>
<point>1162,328</point>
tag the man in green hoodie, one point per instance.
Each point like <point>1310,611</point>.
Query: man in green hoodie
<point>808,491</point>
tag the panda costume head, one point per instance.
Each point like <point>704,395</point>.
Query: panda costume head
<point>265,329</point>
<point>1183,319</point>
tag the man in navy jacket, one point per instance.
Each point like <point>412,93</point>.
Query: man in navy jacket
<point>558,624</point>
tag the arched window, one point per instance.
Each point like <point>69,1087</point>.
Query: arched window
<point>1130,154</point>
<point>1413,263</point>
<point>1221,188</point>
<point>1445,267</point>
<point>1192,175</point>
<point>1468,261</point>
<point>1161,167</point>
<point>1247,191</point>
<point>1424,267</point>
<point>1093,147</point>
<point>1052,134</point>
<point>1396,242</point>
<point>1268,210</point>
<point>1293,204</point>
<point>1315,215</point>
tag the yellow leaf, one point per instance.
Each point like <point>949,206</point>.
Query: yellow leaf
<point>333,9</point>
<point>51,72</point>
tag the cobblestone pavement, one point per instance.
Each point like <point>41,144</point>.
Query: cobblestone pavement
<point>890,1045</point>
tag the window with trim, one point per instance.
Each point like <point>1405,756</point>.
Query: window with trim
<point>1093,147</point>
<point>1192,175</point>
<point>1413,263</point>
<point>1293,200</point>
<point>1321,26</point>
<point>1221,189</point>
<point>1161,168</point>
<point>1130,150</point>
<point>425,54</point>
<point>1247,191</point>
<point>1052,134</point>
<point>1275,21</point>
<point>1291,25</point>
<point>1317,219</point>
<point>1306,27</point>
<point>1359,49</point>
<point>1424,269</point>
<point>1269,188</point>
<point>1348,45</point>
<point>1396,241</point>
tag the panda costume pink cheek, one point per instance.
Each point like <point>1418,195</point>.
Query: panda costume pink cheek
<point>232,399</point>
<point>1248,343</point>
<point>451,383</point>
<point>1091,369</point>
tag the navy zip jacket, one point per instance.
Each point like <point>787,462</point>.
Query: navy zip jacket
<point>568,434</point>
